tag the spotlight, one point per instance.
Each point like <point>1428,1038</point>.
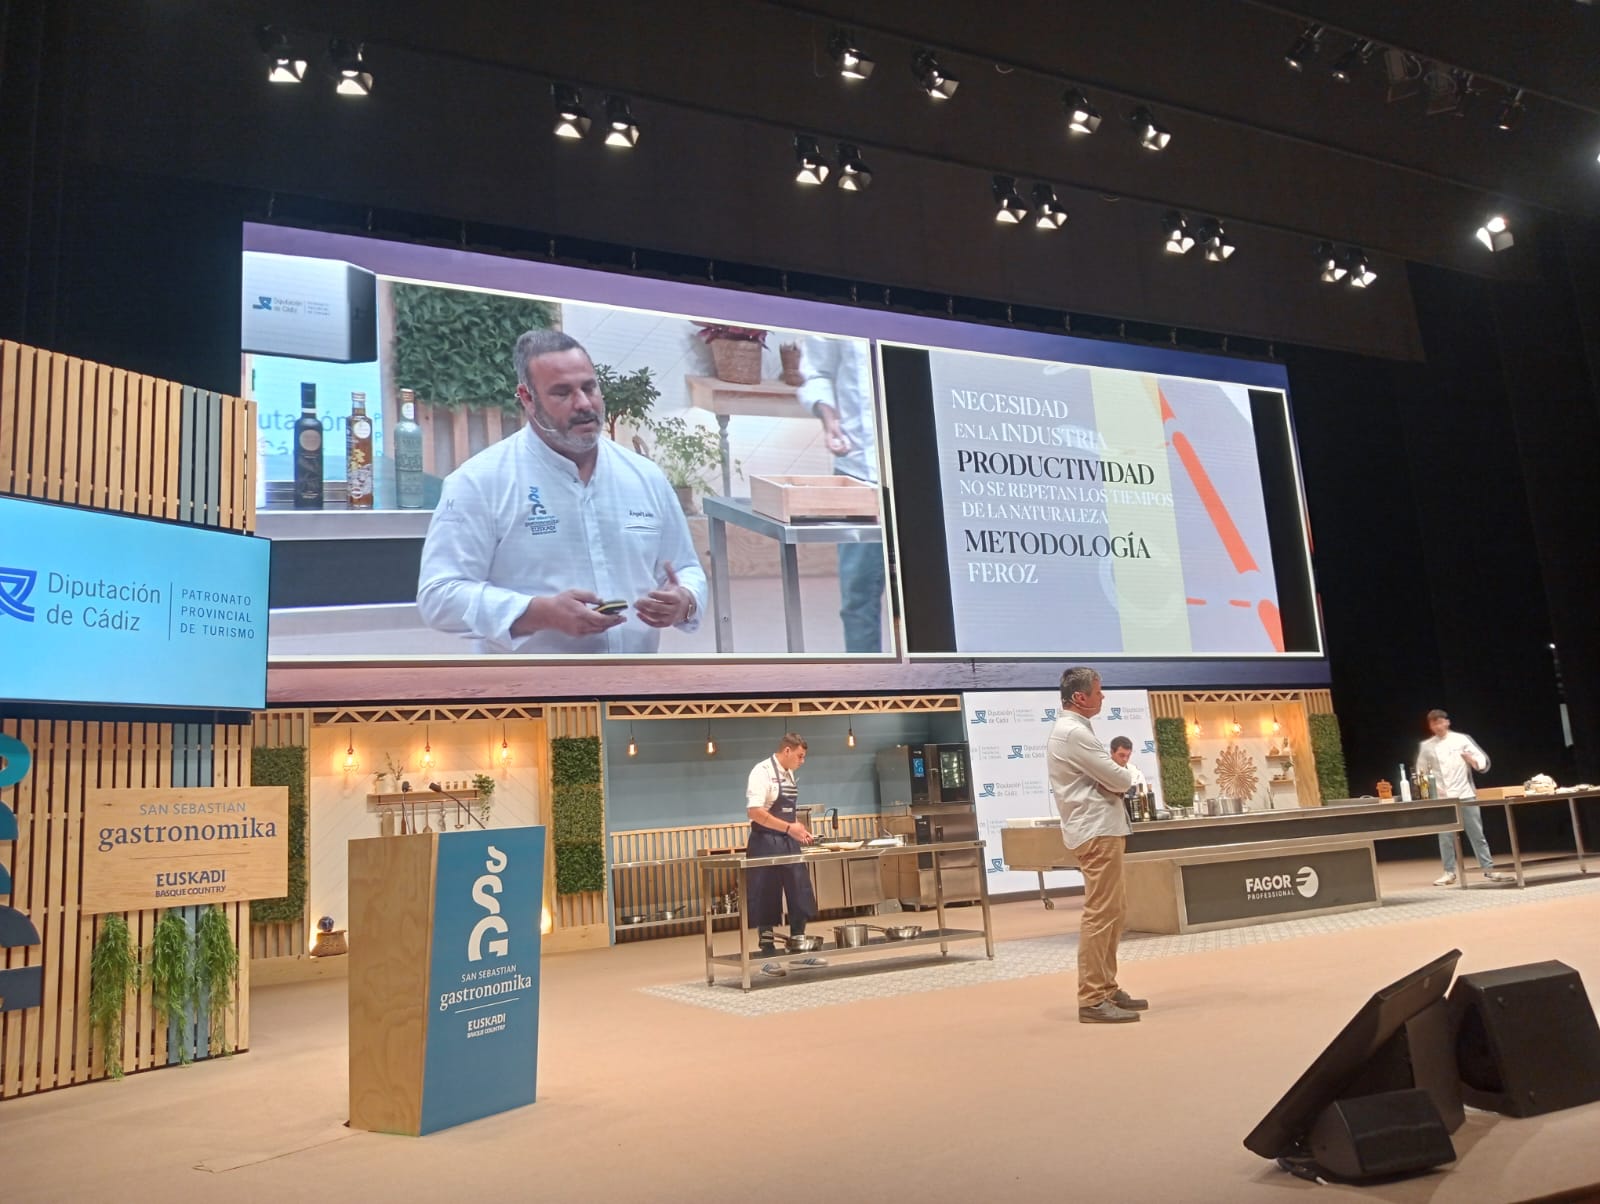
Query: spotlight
<point>1361,273</point>
<point>1213,240</point>
<point>937,83</point>
<point>1047,211</point>
<point>852,63</point>
<point>1510,112</point>
<point>1495,233</point>
<point>1082,117</point>
<point>621,129</point>
<point>1333,270</point>
<point>283,67</point>
<point>1356,56</point>
<point>811,167</point>
<point>1010,209</point>
<point>1179,240</point>
<point>854,175</point>
<point>1153,136</point>
<point>572,119</point>
<point>1304,47</point>
<point>354,78</point>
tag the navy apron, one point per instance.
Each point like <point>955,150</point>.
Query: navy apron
<point>770,884</point>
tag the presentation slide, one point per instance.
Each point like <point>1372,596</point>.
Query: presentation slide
<point>1096,511</point>
<point>430,496</point>
<point>104,608</point>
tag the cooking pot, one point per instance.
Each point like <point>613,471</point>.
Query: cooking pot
<point>806,943</point>
<point>1230,806</point>
<point>900,932</point>
<point>670,913</point>
<point>850,936</point>
<point>637,917</point>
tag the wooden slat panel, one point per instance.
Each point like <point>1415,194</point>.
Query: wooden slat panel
<point>22,449</point>
<point>38,477</point>
<point>10,414</point>
<point>169,402</point>
<point>249,456</point>
<point>227,464</point>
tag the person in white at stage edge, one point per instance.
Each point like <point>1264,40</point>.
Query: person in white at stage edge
<point>533,533</point>
<point>1088,787</point>
<point>1454,757</point>
<point>1122,753</point>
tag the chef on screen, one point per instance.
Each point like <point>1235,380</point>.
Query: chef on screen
<point>557,540</point>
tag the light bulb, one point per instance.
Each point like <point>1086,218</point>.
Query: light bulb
<point>850,740</point>
<point>711,748</point>
<point>633,748</point>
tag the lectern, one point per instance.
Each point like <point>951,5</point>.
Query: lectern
<point>444,977</point>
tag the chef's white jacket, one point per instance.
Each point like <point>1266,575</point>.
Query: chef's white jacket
<point>1446,756</point>
<point>515,522</point>
<point>838,372</point>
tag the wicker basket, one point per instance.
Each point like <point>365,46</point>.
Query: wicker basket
<point>737,361</point>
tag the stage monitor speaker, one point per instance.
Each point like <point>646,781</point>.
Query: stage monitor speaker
<point>1421,1054</point>
<point>1526,1039</point>
<point>1375,1136</point>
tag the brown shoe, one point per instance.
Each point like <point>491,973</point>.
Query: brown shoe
<point>1128,1003</point>
<point>1106,1012</point>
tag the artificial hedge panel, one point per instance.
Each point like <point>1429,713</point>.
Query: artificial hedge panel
<point>284,767</point>
<point>1172,751</point>
<point>578,810</point>
<point>1327,750</point>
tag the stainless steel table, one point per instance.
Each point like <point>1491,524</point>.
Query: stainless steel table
<point>942,936</point>
<point>1511,803</point>
<point>720,511</point>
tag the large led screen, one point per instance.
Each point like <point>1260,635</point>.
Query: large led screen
<point>465,455</point>
<point>104,608</point>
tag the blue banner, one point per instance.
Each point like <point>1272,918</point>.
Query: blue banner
<point>483,981</point>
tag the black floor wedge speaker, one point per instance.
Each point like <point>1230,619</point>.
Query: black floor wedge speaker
<point>1376,1136</point>
<point>1527,1041</point>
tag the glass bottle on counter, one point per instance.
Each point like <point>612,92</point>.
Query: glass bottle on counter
<point>408,454</point>
<point>358,455</point>
<point>308,451</point>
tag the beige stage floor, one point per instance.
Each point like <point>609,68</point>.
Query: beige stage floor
<point>990,1091</point>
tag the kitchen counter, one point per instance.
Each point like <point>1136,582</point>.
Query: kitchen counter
<point>747,958</point>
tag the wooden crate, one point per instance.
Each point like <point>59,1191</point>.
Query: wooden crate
<point>795,499</point>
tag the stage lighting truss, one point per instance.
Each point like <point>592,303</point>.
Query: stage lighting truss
<point>1082,117</point>
<point>572,119</point>
<point>852,64</point>
<point>1153,136</point>
<point>934,80</point>
<point>350,64</point>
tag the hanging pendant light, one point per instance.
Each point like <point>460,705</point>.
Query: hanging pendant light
<point>505,748</point>
<point>711,745</point>
<point>350,762</point>
<point>850,737</point>
<point>633,745</point>
<point>427,749</point>
<point>1276,726</point>
<point>1234,726</point>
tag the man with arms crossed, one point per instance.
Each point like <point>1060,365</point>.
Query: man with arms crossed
<point>556,540</point>
<point>1088,786</point>
<point>1454,757</point>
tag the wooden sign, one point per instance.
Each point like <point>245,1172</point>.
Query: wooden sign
<point>184,846</point>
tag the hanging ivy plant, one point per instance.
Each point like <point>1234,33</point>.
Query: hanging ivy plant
<point>285,767</point>
<point>216,967</point>
<point>172,981</point>
<point>113,974</point>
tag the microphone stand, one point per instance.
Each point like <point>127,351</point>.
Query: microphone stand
<point>466,810</point>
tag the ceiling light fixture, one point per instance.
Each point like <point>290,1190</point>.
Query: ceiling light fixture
<point>1153,136</point>
<point>1179,240</point>
<point>426,760</point>
<point>633,745</point>
<point>1047,211</point>
<point>1357,56</point>
<point>1304,47</point>
<point>711,745</point>
<point>935,81</point>
<point>1333,269</point>
<point>572,119</point>
<point>810,167</point>
<point>1010,208</point>
<point>505,747</point>
<point>1082,117</point>
<point>1511,110</point>
<point>1495,233</point>
<point>621,129</point>
<point>1213,240</point>
<point>283,67</point>
<point>348,61</point>
<point>852,63</point>
<point>854,174</point>
<point>1360,267</point>
<point>850,736</point>
<point>350,763</point>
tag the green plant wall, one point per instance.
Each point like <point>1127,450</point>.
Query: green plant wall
<point>1327,749</point>
<point>284,767</point>
<point>454,346</point>
<point>578,808</point>
<point>1172,751</point>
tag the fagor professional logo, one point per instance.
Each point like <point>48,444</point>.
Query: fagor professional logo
<point>1303,882</point>
<point>15,586</point>
<point>1306,882</point>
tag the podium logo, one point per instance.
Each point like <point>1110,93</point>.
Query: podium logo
<point>987,791</point>
<point>1149,746</point>
<point>980,717</point>
<point>1049,715</point>
<point>262,303</point>
<point>1015,754</point>
<point>15,586</point>
<point>484,893</point>
<point>1114,714</point>
<point>1307,882</point>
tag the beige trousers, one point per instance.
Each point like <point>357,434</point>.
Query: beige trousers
<point>1105,907</point>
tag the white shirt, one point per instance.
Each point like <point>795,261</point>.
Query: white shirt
<point>838,372</point>
<point>761,791</point>
<point>1446,756</point>
<point>515,522</point>
<point>1085,782</point>
<point>1138,777</point>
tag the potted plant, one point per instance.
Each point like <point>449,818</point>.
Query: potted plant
<point>686,453</point>
<point>735,351</point>
<point>628,395</point>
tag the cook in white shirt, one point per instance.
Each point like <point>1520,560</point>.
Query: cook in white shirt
<point>1122,754</point>
<point>1454,757</point>
<point>533,533</point>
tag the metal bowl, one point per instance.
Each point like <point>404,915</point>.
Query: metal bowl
<point>807,943</point>
<point>637,917</point>
<point>671,913</point>
<point>902,932</point>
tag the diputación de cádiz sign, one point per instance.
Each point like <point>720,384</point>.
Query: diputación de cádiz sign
<point>182,846</point>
